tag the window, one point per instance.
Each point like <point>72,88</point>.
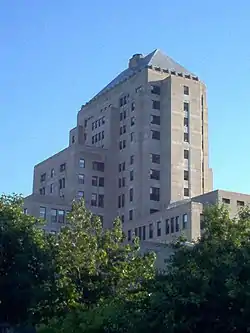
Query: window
<point>120,167</point>
<point>132,106</point>
<point>80,194</point>
<point>139,233</point>
<point>155,135</point>
<point>98,166</point>
<point>62,167</point>
<point>202,222</point>
<point>101,181</point>
<point>123,181</point>
<point>82,163</point>
<point>167,226</point>
<point>226,201</point>
<point>136,232</point>
<point>61,216</point>
<point>121,116</point>
<point>144,232</point>
<point>51,188</point>
<point>156,105</point>
<point>186,154</point>
<point>123,166</point>
<point>122,218</point>
<point>99,136</point>
<point>61,183</point>
<point>177,224</point>
<point>94,199</point>
<point>85,123</point>
<point>186,90</point>
<point>132,121</point>
<point>124,114</point>
<point>155,90</point>
<point>155,193</point>
<point>186,192</point>
<point>184,221</point>
<point>42,213</point>
<point>101,200</point>
<point>43,177</point>
<point>42,191</point>
<point>94,180</point>
<point>129,235</point>
<point>103,120</point>
<point>123,144</point>
<point>25,211</point>
<point>102,135</point>
<point>186,137</point>
<point>152,211</point>
<point>155,120</point>
<point>186,106</point>
<point>53,215</point>
<point>124,129</point>
<point>172,225</point>
<point>154,174</point>
<point>52,173</point>
<point>120,145</point>
<point>132,137</point>
<point>123,200</point>
<point>159,228</point>
<point>151,230</point>
<point>121,130</point>
<point>155,158</point>
<point>81,179</point>
<point>73,139</point>
<point>186,175</point>
<point>130,214</point>
<point>185,121</point>
<point>131,194</point>
<point>119,201</point>
<point>240,203</point>
<point>131,175</point>
<point>132,159</point>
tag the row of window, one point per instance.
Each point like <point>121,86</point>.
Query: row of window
<point>122,165</point>
<point>122,180</point>
<point>98,137</point>
<point>98,122</point>
<point>121,198</point>
<point>52,172</point>
<point>56,215</point>
<point>157,90</point>
<point>239,203</point>
<point>172,226</point>
<point>155,193</point>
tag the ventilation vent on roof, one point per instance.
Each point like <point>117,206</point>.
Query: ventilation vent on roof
<point>187,77</point>
<point>173,72</point>
<point>165,70</point>
<point>180,74</point>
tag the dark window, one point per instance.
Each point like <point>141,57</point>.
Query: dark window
<point>43,177</point>
<point>101,181</point>
<point>202,222</point>
<point>155,120</point>
<point>129,235</point>
<point>186,154</point>
<point>132,106</point>
<point>186,106</point>
<point>226,201</point>
<point>159,228</point>
<point>132,136</point>
<point>120,182</point>
<point>240,203</point>
<point>123,166</point>
<point>130,213</point>
<point>152,211</point>
<point>155,193</point>
<point>177,223</point>
<point>155,90</point>
<point>151,230</point>
<point>25,211</point>
<point>52,173</point>
<point>101,200</point>
<point>156,105</point>
<point>53,215</point>
<point>121,130</point>
<point>42,191</point>
<point>131,194</point>
<point>155,135</point>
<point>186,175</point>
<point>42,213</point>
<point>131,175</point>
<point>51,188</point>
<point>98,166</point>
<point>124,114</point>
<point>124,128</point>
<point>73,139</point>
<point>186,90</point>
<point>120,145</point>
<point>119,201</point>
<point>139,232</point>
<point>81,179</point>
<point>123,181</point>
<point>132,121</point>
<point>93,199</point>
<point>155,158</point>
<point>154,174</point>
<point>123,144</point>
<point>186,192</point>
<point>120,167</point>
<point>103,120</point>
<point>123,200</point>
<point>121,116</point>
<point>185,121</point>
<point>186,137</point>
<point>85,123</point>
<point>172,225</point>
<point>184,221</point>
<point>93,139</point>
<point>132,159</point>
<point>102,135</point>
<point>62,167</point>
<point>144,232</point>
<point>60,216</point>
<point>61,183</point>
<point>136,232</point>
<point>82,163</point>
<point>94,180</point>
<point>167,226</point>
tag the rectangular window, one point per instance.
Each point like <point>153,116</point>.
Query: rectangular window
<point>124,129</point>
<point>123,166</point>
<point>156,135</point>
<point>94,180</point>
<point>81,179</point>
<point>122,218</point>
<point>102,135</point>
<point>186,154</point>
<point>155,90</point>
<point>82,163</point>
<point>131,175</point>
<point>158,228</point>
<point>156,105</point>
<point>120,183</point>
<point>80,194</point>
<point>131,194</point>
<point>52,173</point>
<point>129,235</point>
<point>133,106</point>
<point>172,225</point>
<point>53,213</point>
<point>101,200</point>
<point>61,183</point>
<point>123,144</point>
<point>94,199</point>
<point>167,226</point>
<point>98,166</point>
<point>186,106</point>
<point>123,181</point>
<point>121,116</point>
<point>85,123</point>
<point>154,174</point>
<point>42,213</point>
<point>120,145</point>
<point>139,232</point>
<point>144,232</point>
<point>155,158</point>
<point>42,191</point>
<point>240,203</point>
<point>101,181</point>
<point>25,211</point>
<point>186,192</point>
<point>61,216</point>
<point>155,193</point>
<point>136,232</point>
<point>123,200</point>
<point>121,130</point>
<point>51,188</point>
<point>43,177</point>
<point>119,201</point>
<point>130,213</point>
<point>151,231</point>
<point>155,120</point>
<point>226,201</point>
<point>132,137</point>
<point>186,175</point>
<point>62,167</point>
<point>186,122</point>
<point>186,137</point>
<point>202,222</point>
<point>132,159</point>
<point>120,167</point>
<point>99,136</point>
<point>177,224</point>
<point>124,114</point>
<point>186,90</point>
<point>132,121</point>
<point>184,221</point>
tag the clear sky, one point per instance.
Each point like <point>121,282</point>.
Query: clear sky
<point>56,54</point>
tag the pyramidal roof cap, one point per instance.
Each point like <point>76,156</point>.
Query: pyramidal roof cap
<point>154,59</point>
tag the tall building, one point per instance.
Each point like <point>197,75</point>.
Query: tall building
<point>139,151</point>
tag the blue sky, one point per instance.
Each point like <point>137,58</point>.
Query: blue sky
<point>55,55</point>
